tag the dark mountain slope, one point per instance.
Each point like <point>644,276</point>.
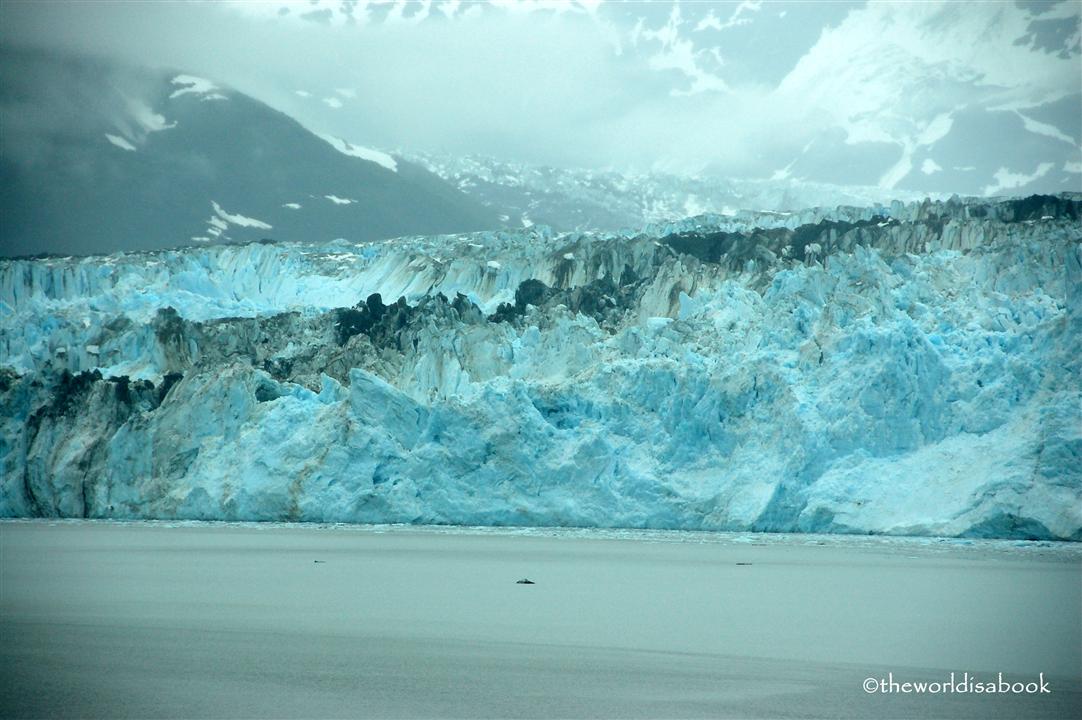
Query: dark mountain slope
<point>69,188</point>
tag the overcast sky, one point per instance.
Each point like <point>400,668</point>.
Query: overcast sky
<point>893,94</point>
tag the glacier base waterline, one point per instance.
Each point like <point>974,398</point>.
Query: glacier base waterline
<point>208,620</point>
<point>911,369</point>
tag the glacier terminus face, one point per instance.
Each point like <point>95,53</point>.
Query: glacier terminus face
<point>908,369</point>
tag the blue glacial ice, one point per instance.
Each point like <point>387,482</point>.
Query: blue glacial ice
<point>910,370</point>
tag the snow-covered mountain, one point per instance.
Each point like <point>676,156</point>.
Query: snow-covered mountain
<point>98,157</point>
<point>577,199</point>
<point>909,369</point>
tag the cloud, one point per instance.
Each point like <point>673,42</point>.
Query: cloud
<point>533,86</point>
<point>631,86</point>
<point>146,119</point>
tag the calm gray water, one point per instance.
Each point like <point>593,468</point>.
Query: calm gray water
<point>235,620</point>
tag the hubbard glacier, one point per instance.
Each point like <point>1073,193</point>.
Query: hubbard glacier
<point>541,359</point>
<point>902,369</point>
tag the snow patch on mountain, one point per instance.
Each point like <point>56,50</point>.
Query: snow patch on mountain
<point>190,84</point>
<point>146,119</point>
<point>1045,129</point>
<point>376,156</point>
<point>237,218</point>
<point>120,142</point>
<point>1007,180</point>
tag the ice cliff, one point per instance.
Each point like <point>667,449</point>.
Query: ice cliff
<point>906,369</point>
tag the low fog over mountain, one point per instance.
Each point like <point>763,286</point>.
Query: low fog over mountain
<point>970,98</point>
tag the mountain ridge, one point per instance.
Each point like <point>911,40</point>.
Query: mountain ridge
<point>190,161</point>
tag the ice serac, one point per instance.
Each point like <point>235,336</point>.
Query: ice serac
<point>906,369</point>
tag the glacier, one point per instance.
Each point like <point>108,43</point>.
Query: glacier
<point>906,369</point>
<point>589,199</point>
